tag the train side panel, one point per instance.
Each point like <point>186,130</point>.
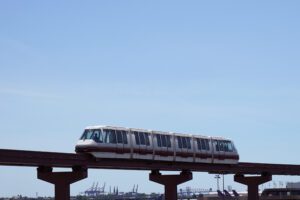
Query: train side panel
<point>124,143</point>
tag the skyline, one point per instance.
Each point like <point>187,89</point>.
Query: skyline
<point>218,69</point>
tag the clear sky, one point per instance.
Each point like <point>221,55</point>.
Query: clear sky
<point>219,68</point>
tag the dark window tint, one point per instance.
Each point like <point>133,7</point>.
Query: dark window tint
<point>106,134</point>
<point>179,142</point>
<point>188,142</point>
<point>124,133</point>
<point>97,136</point>
<point>184,144</point>
<point>207,144</point>
<point>87,134</point>
<point>202,144</point>
<point>217,145</point>
<point>225,144</point>
<point>164,141</point>
<point>110,136</point>
<point>113,138</point>
<point>147,139</point>
<point>142,138</point>
<point>119,137</point>
<point>137,139</point>
<point>230,146</point>
<point>168,141</point>
<point>221,145</point>
<point>198,143</point>
<point>158,140</point>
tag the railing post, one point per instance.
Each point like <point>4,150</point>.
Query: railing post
<point>61,180</point>
<point>253,182</point>
<point>170,182</point>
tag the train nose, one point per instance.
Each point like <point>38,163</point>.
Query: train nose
<point>79,149</point>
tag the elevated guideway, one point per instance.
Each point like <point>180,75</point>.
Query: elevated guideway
<point>46,161</point>
<point>68,160</point>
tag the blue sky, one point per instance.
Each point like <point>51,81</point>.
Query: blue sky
<point>219,68</point>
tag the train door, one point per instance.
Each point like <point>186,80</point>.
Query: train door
<point>182,148</point>
<point>162,147</point>
<point>173,146</point>
<point>135,144</point>
<point>219,155</point>
<point>203,149</point>
<point>110,143</point>
<point>119,144</point>
<point>170,148</point>
<point>148,146</point>
<point>126,144</point>
<point>230,154</point>
<point>178,148</point>
<point>142,145</point>
<point>198,151</point>
<point>190,149</point>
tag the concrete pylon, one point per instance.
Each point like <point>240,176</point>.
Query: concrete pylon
<point>61,180</point>
<point>170,182</point>
<point>253,182</point>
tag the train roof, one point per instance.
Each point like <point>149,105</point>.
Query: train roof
<point>159,132</point>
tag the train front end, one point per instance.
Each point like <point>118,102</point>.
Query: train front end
<point>88,140</point>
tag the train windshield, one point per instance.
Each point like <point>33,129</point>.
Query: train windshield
<point>92,134</point>
<point>225,146</point>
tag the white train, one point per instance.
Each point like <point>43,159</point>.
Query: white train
<point>131,143</point>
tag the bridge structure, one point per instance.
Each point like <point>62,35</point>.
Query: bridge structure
<point>250,174</point>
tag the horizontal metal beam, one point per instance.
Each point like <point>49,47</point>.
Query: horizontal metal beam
<point>68,160</point>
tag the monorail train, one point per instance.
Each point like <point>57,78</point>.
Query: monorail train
<point>130,143</point>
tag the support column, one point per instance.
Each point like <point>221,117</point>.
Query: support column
<point>61,180</point>
<point>170,182</point>
<point>253,182</point>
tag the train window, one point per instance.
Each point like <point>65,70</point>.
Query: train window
<point>198,143</point>
<point>203,144</point>
<point>119,137</point>
<point>147,139</point>
<point>230,147</point>
<point>179,142</point>
<point>124,133</point>
<point>221,145</point>
<point>88,133</point>
<point>158,140</point>
<point>164,141</point>
<point>168,141</point>
<point>207,144</point>
<point>137,139</point>
<point>188,141</point>
<point>184,143</point>
<point>217,145</point>
<point>225,144</point>
<point>142,138</point>
<point>106,134</point>
<point>97,136</point>
<point>110,136</point>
